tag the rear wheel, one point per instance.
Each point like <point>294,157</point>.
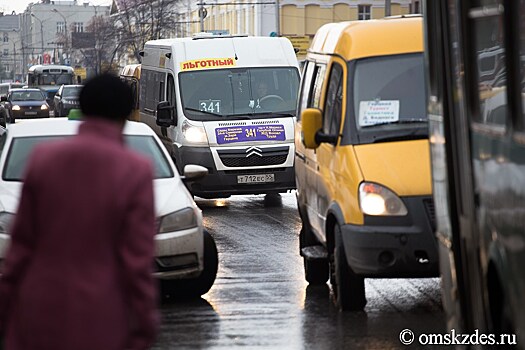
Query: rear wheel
<point>348,288</point>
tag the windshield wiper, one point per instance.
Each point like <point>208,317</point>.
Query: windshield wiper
<point>203,112</point>
<point>401,121</point>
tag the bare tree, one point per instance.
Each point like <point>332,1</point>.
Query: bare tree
<point>141,20</point>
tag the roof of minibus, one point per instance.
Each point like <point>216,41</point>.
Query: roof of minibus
<point>357,39</point>
<point>245,50</point>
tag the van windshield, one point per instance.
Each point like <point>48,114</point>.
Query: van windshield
<point>239,92</point>
<point>389,97</point>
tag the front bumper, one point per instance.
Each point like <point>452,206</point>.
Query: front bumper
<point>29,114</point>
<point>179,254</point>
<point>394,247</point>
<point>223,183</point>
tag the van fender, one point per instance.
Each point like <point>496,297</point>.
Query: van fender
<point>334,215</point>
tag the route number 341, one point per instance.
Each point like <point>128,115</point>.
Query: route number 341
<point>212,106</point>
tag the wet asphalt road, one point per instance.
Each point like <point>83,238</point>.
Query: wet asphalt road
<point>261,300</point>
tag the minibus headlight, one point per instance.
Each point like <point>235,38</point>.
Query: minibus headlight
<point>180,220</point>
<point>194,134</point>
<point>377,200</point>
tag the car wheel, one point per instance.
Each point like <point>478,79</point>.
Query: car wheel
<point>348,288</point>
<point>195,287</point>
<point>316,271</point>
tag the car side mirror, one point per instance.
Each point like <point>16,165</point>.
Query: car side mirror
<point>311,121</point>
<point>164,114</point>
<point>193,172</point>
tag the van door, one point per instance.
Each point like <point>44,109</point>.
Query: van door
<point>328,181</point>
<point>152,85</point>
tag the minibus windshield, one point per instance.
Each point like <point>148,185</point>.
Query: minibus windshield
<point>221,94</point>
<point>389,95</point>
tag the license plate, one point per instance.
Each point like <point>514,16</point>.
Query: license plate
<point>259,178</point>
<point>30,113</point>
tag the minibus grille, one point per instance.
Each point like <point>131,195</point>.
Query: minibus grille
<point>431,211</point>
<point>254,156</point>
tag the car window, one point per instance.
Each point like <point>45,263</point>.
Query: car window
<point>27,96</point>
<point>21,148</point>
<point>71,92</point>
<point>147,146</point>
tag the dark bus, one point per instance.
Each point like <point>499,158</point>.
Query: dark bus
<point>475,57</point>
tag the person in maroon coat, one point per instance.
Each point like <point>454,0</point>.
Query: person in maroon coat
<point>78,272</point>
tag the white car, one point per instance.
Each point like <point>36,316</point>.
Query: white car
<point>186,256</point>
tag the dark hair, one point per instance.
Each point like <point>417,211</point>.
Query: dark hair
<point>106,96</point>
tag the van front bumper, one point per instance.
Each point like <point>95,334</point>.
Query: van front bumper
<point>224,183</point>
<point>392,247</point>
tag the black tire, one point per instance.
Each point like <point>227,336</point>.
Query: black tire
<point>195,287</point>
<point>316,271</point>
<point>348,288</point>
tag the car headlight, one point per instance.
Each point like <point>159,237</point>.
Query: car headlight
<point>16,108</point>
<point>6,219</point>
<point>43,107</point>
<point>377,200</point>
<point>194,134</point>
<point>180,220</point>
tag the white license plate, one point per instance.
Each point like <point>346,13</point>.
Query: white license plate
<point>31,113</point>
<point>259,178</point>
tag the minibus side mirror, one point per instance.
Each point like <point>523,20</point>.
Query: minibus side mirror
<point>165,114</point>
<point>3,98</point>
<point>311,121</point>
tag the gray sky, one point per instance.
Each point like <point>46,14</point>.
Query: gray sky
<point>8,6</point>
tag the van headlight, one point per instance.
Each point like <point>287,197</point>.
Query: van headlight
<point>180,220</point>
<point>6,220</point>
<point>194,134</point>
<point>377,200</point>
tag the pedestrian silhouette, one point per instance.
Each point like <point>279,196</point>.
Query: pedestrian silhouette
<point>78,271</point>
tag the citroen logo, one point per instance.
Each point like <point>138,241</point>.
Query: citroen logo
<point>253,151</point>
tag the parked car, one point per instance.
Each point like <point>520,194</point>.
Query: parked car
<point>186,256</point>
<point>66,99</point>
<point>24,104</point>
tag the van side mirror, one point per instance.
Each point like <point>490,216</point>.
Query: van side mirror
<point>3,98</point>
<point>165,114</point>
<point>311,121</point>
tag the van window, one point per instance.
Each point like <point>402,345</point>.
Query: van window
<point>315,97</point>
<point>151,83</point>
<point>308,74</point>
<point>334,98</point>
<point>219,94</point>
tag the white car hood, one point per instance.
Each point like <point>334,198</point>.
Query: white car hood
<point>170,195</point>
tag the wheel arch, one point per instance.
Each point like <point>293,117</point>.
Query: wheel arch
<point>334,216</point>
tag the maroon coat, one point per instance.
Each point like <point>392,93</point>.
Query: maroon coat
<point>78,271</point>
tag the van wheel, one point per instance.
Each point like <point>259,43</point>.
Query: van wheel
<point>195,287</point>
<point>315,271</point>
<point>348,288</point>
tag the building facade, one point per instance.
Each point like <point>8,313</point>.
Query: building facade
<point>12,48</point>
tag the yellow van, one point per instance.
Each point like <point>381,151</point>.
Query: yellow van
<point>130,74</point>
<point>362,157</point>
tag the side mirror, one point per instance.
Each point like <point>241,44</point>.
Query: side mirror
<point>194,172</point>
<point>164,114</point>
<point>311,121</point>
<point>3,98</point>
